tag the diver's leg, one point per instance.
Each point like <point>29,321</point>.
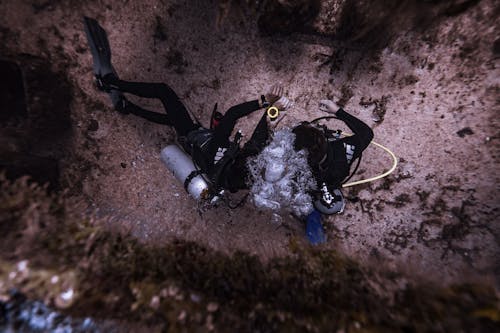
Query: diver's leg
<point>176,111</point>
<point>155,117</point>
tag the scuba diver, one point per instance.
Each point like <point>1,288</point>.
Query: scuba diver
<point>330,158</point>
<point>214,163</point>
<point>302,169</point>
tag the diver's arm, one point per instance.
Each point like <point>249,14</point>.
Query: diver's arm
<point>237,111</point>
<point>363,134</point>
<point>357,126</point>
<point>228,121</point>
<point>275,96</point>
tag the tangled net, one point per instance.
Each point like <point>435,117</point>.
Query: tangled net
<point>280,177</point>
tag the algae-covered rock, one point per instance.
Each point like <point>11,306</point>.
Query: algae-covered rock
<point>20,314</point>
<point>185,286</point>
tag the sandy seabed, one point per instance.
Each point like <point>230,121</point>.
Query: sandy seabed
<point>431,94</point>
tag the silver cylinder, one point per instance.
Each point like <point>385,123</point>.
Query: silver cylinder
<point>181,165</point>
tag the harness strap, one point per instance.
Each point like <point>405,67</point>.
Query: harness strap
<point>336,136</point>
<point>229,157</point>
<point>355,170</point>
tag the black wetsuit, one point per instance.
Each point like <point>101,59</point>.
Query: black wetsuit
<point>178,117</point>
<point>341,153</point>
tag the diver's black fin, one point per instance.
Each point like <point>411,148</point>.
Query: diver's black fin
<point>101,55</point>
<point>99,47</point>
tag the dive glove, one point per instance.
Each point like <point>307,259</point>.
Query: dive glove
<point>274,94</point>
<point>283,103</point>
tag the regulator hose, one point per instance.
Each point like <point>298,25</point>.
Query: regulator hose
<point>385,174</point>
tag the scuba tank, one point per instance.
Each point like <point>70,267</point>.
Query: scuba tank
<point>191,166</point>
<point>183,168</point>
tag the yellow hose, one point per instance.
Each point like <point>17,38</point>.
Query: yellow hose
<point>385,174</point>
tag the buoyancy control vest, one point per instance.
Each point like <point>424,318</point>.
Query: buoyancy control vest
<point>334,169</point>
<point>197,144</point>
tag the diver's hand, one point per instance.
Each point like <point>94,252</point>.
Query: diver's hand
<point>283,103</point>
<point>274,94</point>
<point>328,106</point>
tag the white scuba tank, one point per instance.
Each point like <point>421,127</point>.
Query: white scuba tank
<point>181,165</point>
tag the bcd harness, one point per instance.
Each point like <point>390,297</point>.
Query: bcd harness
<point>197,144</point>
<point>334,135</point>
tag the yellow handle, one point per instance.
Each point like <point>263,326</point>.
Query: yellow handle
<point>273,112</point>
